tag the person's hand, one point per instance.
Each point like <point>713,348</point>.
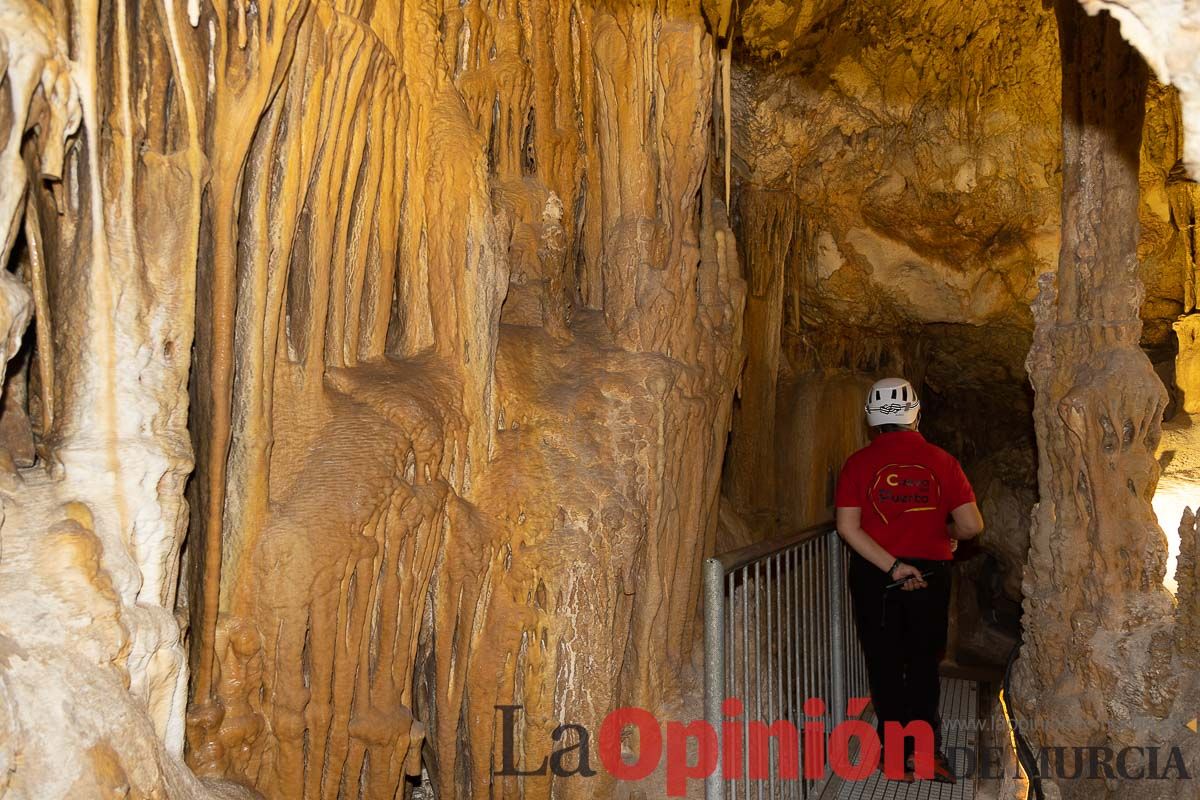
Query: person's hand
<point>954,545</point>
<point>913,575</point>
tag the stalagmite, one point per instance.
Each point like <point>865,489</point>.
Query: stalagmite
<point>1098,663</point>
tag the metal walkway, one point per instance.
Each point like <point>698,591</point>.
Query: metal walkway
<point>779,645</point>
<point>959,705</point>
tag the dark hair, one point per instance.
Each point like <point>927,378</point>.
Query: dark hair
<point>891,427</point>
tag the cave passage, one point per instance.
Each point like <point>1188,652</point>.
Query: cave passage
<point>393,391</point>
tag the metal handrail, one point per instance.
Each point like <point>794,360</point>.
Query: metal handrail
<point>807,647</point>
<point>759,550</point>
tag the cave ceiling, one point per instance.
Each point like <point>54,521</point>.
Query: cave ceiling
<point>921,142</point>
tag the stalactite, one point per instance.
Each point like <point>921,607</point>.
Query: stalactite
<point>239,93</point>
<point>92,531</point>
<point>769,227</point>
<point>352,197</point>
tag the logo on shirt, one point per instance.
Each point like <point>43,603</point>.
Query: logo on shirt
<point>904,488</point>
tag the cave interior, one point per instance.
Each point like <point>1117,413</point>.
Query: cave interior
<point>374,366</point>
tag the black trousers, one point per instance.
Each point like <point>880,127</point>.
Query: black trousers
<point>903,636</point>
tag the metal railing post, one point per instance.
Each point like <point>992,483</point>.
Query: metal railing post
<point>837,631</point>
<point>714,664</point>
<point>800,582</point>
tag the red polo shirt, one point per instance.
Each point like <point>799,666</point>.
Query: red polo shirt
<point>906,488</point>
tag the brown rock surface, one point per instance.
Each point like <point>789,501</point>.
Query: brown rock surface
<point>360,189</point>
<point>1101,657</point>
<point>923,137</point>
<point>444,303</point>
<point>553,563</point>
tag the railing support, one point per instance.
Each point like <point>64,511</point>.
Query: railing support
<point>714,664</point>
<point>837,611</point>
<point>774,656</point>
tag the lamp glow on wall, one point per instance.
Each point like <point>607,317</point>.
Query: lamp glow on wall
<point>1169,502</point>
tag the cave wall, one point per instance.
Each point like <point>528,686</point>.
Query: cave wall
<point>467,323</point>
<point>442,302</point>
<point>923,140</point>
<point>544,207</point>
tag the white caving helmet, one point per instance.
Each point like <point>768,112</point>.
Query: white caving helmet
<point>892,401</point>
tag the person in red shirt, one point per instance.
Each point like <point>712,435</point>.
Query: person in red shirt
<point>902,504</point>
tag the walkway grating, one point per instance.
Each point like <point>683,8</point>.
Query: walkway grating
<point>960,729</point>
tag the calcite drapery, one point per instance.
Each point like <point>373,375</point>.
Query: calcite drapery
<point>94,671</point>
<point>390,192</point>
<point>343,192</point>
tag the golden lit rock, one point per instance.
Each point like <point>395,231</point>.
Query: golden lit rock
<point>370,366</point>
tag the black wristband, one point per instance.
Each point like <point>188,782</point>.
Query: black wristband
<point>892,568</point>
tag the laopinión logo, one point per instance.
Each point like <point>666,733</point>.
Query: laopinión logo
<point>852,749</point>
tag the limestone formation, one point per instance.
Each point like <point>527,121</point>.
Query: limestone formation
<point>343,198</point>
<point>93,680</point>
<point>367,366</point>
<point>1101,658</point>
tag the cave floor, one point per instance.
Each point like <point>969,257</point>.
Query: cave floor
<point>960,729</point>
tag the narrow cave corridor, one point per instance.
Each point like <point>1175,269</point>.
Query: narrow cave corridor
<point>465,399</point>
